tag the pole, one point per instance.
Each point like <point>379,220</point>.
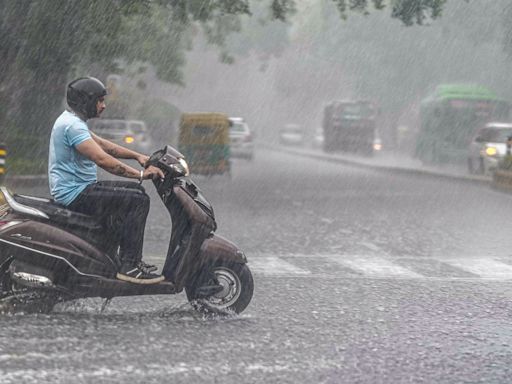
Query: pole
<point>3,155</point>
<point>509,145</point>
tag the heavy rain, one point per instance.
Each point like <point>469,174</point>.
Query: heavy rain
<point>247,191</point>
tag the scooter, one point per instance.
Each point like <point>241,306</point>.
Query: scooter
<point>56,254</point>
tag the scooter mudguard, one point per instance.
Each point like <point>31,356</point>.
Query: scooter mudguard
<point>217,248</point>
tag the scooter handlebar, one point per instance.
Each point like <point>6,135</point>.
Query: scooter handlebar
<point>169,160</point>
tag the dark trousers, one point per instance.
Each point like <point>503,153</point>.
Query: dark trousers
<point>127,203</point>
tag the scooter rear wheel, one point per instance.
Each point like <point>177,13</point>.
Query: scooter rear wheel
<point>15,299</point>
<point>237,289</point>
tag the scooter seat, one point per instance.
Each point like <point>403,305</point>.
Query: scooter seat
<point>59,213</point>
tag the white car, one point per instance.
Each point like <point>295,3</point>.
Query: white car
<point>132,134</point>
<point>291,134</point>
<point>241,139</point>
<point>377,144</point>
<point>488,146</point>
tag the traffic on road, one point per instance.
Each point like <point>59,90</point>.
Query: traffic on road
<point>241,191</point>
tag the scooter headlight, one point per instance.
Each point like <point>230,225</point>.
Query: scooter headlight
<point>181,167</point>
<point>184,164</point>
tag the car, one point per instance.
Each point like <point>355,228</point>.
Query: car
<point>131,134</point>
<point>318,139</point>
<point>241,139</point>
<point>377,144</point>
<point>487,147</point>
<point>291,134</point>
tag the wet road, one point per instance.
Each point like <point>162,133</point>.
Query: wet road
<point>360,277</point>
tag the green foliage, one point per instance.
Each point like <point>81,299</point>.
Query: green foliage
<point>269,38</point>
<point>416,11</point>
<point>162,119</point>
<point>25,154</point>
<point>281,9</point>
<point>408,11</point>
<point>24,165</point>
<point>506,163</point>
<point>356,5</point>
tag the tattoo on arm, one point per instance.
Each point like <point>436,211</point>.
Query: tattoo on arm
<point>112,152</point>
<point>119,170</point>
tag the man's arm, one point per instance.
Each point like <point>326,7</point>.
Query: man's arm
<point>92,150</point>
<point>118,151</point>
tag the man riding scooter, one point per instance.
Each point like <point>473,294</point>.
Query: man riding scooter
<point>75,154</point>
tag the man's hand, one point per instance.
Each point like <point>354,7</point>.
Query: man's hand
<point>152,172</point>
<point>142,160</point>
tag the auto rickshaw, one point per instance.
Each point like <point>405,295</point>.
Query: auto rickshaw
<point>204,140</point>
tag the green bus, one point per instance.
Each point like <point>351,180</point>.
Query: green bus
<point>449,118</point>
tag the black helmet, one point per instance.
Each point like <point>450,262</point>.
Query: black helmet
<point>82,95</point>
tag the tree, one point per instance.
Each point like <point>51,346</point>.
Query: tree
<point>50,38</point>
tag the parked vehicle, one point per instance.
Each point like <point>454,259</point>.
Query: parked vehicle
<point>204,140</point>
<point>291,134</point>
<point>488,146</point>
<point>132,134</point>
<point>349,126</point>
<point>51,254</point>
<point>241,139</point>
<point>449,118</point>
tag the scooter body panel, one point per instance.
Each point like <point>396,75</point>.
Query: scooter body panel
<point>45,246</point>
<point>192,222</point>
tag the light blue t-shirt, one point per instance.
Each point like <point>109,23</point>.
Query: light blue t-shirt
<point>69,172</point>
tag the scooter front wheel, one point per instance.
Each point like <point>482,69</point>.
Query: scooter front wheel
<point>237,289</point>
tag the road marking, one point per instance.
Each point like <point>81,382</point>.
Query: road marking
<point>271,265</point>
<point>484,268</point>
<point>368,266</point>
<point>377,267</point>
